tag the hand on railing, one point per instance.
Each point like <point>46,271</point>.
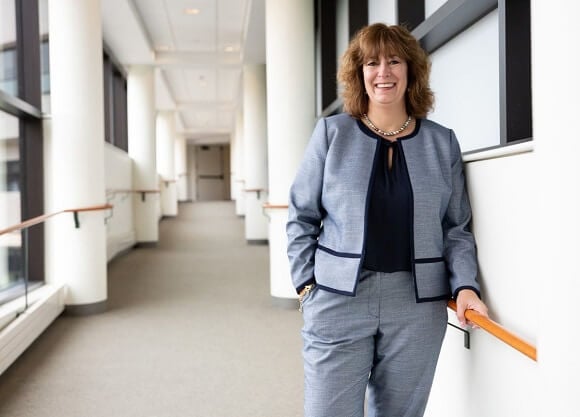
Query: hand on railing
<point>468,300</point>
<point>498,331</point>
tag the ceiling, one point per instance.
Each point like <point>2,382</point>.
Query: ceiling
<point>198,48</point>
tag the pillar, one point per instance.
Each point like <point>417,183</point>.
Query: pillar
<point>165,135</point>
<point>141,133</point>
<point>181,168</point>
<point>556,150</point>
<point>239,175</point>
<point>75,155</point>
<point>255,153</point>
<point>291,117</point>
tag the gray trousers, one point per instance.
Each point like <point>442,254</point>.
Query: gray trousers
<point>381,341</point>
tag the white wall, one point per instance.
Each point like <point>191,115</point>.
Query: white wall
<point>192,171</point>
<point>119,182</point>
<point>465,79</point>
<point>431,6</point>
<point>383,11</point>
<point>555,34</point>
<point>492,379</point>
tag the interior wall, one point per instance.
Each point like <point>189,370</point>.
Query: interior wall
<point>467,89</point>
<point>383,11</point>
<point>192,171</point>
<point>118,182</point>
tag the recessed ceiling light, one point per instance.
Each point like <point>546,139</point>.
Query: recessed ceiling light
<point>229,49</point>
<point>191,11</point>
<point>162,47</point>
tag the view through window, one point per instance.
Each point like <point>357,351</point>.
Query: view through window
<point>10,243</point>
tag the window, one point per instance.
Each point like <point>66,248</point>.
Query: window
<point>336,23</point>
<point>8,52</point>
<point>21,152</point>
<point>115,98</point>
<point>500,33</point>
<point>10,243</point>
<point>468,40</point>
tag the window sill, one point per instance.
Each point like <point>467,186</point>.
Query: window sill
<point>499,152</point>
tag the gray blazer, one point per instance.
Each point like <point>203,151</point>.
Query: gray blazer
<point>329,200</point>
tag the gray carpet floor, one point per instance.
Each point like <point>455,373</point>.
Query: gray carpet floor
<point>190,331</point>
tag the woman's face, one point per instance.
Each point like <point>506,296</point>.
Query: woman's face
<point>385,81</point>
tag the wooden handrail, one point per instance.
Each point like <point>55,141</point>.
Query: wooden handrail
<point>40,219</point>
<point>143,192</point>
<point>128,190</point>
<point>498,331</point>
<point>91,208</point>
<point>274,206</point>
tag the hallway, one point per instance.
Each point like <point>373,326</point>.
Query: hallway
<point>190,331</point>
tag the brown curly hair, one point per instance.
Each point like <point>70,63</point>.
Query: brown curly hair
<point>378,40</point>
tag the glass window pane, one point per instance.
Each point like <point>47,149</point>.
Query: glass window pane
<point>8,57</point>
<point>44,62</point>
<point>10,243</point>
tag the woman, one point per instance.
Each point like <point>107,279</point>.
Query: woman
<point>378,236</point>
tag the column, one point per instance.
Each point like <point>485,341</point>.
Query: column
<point>165,129</point>
<point>141,132</point>
<point>291,117</point>
<point>255,153</point>
<point>181,168</point>
<point>74,155</point>
<point>233,165</point>
<point>239,176</point>
<point>556,150</point>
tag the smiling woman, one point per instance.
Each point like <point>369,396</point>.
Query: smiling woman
<point>388,186</point>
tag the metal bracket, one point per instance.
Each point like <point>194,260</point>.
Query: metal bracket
<point>76,217</point>
<point>466,335</point>
<point>110,215</point>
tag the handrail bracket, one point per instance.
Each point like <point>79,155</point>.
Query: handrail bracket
<point>466,336</point>
<point>76,217</point>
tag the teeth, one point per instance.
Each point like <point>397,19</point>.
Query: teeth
<point>386,85</point>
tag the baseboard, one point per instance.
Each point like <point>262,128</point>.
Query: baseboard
<point>261,242</point>
<point>146,245</point>
<point>86,309</point>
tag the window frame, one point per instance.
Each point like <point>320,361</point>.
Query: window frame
<point>115,101</point>
<point>26,107</point>
<point>515,82</point>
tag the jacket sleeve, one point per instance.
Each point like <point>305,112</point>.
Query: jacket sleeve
<point>305,211</point>
<point>459,243</point>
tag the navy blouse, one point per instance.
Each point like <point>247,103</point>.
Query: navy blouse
<point>388,239</point>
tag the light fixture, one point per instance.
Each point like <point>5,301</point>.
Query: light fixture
<point>229,49</point>
<point>191,11</point>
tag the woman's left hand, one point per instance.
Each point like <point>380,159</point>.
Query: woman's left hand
<point>468,300</point>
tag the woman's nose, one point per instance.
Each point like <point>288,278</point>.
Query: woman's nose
<point>384,69</point>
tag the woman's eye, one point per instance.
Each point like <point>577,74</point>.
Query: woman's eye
<point>394,62</point>
<point>371,63</point>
